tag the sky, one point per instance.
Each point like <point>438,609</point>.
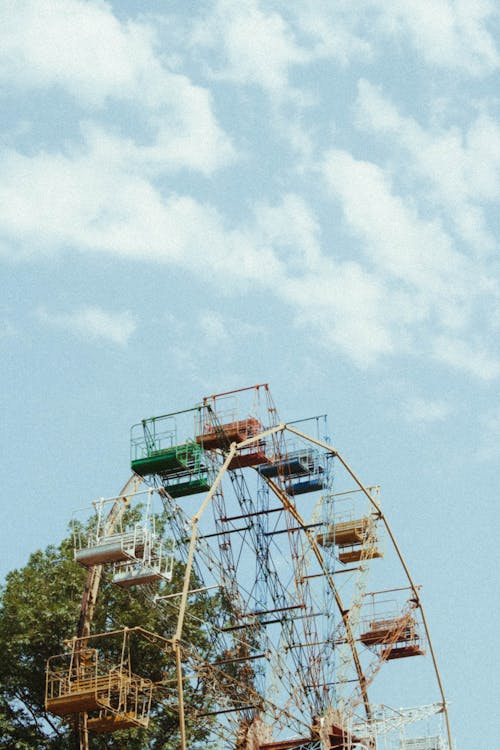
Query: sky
<point>199,196</point>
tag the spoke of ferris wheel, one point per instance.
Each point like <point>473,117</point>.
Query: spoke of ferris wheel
<point>268,573</point>
<point>219,675</point>
<point>172,605</point>
<point>203,549</point>
<point>214,631</point>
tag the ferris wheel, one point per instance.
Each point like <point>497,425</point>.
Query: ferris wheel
<point>315,631</point>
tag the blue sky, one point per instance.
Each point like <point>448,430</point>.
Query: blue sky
<point>198,196</point>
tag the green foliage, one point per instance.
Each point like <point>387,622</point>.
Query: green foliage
<point>39,606</point>
<point>39,609</point>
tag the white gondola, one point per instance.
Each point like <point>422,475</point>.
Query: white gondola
<point>135,549</point>
<point>114,548</point>
<point>156,565</point>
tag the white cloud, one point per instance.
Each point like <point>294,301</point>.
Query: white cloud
<point>257,45</point>
<point>473,359</point>
<point>53,202</point>
<point>261,43</point>
<point>401,244</point>
<point>451,34</point>
<point>184,135</point>
<point>342,307</point>
<point>448,33</point>
<point>462,168</point>
<point>83,49</point>
<point>326,26</point>
<point>340,304</point>
<point>92,322</point>
<point>79,46</point>
<point>422,410</point>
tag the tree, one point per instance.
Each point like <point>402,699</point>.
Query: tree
<point>39,608</point>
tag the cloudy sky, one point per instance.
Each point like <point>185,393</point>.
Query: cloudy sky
<point>197,195</point>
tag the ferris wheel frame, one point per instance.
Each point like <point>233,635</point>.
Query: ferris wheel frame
<point>122,502</point>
